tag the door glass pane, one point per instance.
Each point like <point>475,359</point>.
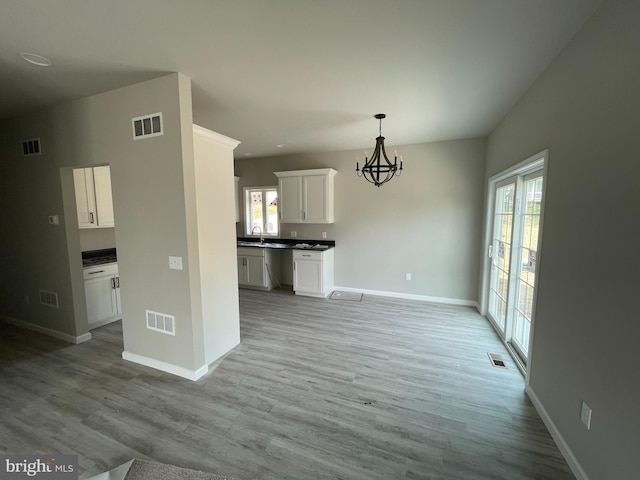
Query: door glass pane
<point>501,253</point>
<point>528,255</point>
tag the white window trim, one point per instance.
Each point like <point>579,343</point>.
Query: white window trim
<point>247,210</point>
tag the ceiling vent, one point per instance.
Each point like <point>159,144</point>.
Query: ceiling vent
<point>161,322</point>
<point>31,147</point>
<point>147,126</point>
<point>50,299</point>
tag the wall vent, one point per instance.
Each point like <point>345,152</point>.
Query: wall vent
<point>161,322</point>
<point>50,299</point>
<point>147,126</point>
<point>31,147</point>
<point>497,360</point>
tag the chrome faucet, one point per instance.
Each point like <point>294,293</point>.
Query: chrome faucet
<point>260,230</point>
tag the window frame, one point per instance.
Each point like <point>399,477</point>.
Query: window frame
<point>247,191</point>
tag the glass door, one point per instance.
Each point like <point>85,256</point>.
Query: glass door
<point>500,252</point>
<point>528,253</point>
<point>513,253</point>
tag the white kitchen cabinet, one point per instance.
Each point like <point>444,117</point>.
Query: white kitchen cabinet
<point>256,268</point>
<point>313,272</point>
<point>306,196</point>
<point>94,201</point>
<point>104,197</point>
<point>102,292</point>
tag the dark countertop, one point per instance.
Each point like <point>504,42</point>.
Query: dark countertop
<point>286,243</point>
<point>92,258</point>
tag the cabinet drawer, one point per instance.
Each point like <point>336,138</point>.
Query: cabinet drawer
<point>108,269</point>
<point>306,255</point>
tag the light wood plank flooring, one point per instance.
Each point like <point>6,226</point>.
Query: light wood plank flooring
<point>318,389</point>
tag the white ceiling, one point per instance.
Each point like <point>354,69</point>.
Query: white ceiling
<point>309,74</point>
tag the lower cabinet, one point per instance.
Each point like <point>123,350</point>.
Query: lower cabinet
<point>256,268</point>
<point>313,273</point>
<point>102,292</point>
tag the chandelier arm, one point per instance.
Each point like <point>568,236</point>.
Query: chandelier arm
<point>384,152</point>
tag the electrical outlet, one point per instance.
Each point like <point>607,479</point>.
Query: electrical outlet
<point>294,234</point>
<point>324,234</point>
<point>175,263</point>
<point>585,415</point>
<point>54,220</point>
<point>408,276</point>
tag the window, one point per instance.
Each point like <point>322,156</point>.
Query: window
<point>261,208</point>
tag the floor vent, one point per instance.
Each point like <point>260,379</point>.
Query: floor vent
<point>497,360</point>
<point>147,126</point>
<point>161,322</point>
<point>50,299</point>
<point>351,296</point>
<point>31,147</point>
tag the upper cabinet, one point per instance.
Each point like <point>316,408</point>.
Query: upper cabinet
<point>306,196</point>
<point>94,202</point>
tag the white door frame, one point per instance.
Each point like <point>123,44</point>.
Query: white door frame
<point>530,164</point>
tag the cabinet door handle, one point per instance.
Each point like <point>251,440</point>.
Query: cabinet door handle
<point>304,255</point>
<point>97,271</point>
<point>117,282</point>
<point>113,283</point>
<point>90,217</point>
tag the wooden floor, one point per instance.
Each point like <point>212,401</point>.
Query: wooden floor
<point>318,389</point>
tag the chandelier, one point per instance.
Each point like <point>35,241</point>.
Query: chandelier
<point>375,170</point>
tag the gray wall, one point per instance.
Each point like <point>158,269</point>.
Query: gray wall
<point>426,222</point>
<point>584,108</point>
<point>34,254</point>
<point>156,216</point>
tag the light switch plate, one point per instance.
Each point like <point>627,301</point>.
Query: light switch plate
<point>175,263</point>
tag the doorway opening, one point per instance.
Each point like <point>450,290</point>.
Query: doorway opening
<point>513,229</point>
<point>94,241</point>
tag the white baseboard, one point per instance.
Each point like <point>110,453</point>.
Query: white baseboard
<point>47,331</point>
<point>568,455</point>
<point>165,367</point>
<point>411,296</point>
